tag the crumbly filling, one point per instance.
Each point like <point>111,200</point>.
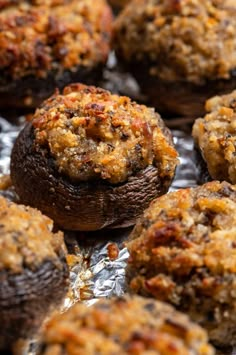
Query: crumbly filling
<point>54,35</point>
<point>183,251</point>
<point>215,135</point>
<point>189,228</point>
<point>150,328</point>
<point>184,245</point>
<point>191,40</point>
<point>26,239</point>
<point>93,134</point>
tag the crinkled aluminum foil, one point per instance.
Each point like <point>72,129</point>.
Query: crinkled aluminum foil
<point>8,134</point>
<point>95,272</point>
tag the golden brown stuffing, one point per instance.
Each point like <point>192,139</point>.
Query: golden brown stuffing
<point>183,251</point>
<point>37,37</point>
<point>122,326</point>
<point>215,136</point>
<point>191,40</point>
<point>92,134</point>
<point>26,238</point>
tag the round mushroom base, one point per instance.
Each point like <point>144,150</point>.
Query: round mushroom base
<point>84,206</point>
<point>26,299</point>
<point>30,91</point>
<point>180,98</point>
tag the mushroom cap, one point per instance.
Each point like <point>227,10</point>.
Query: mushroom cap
<point>31,91</point>
<point>90,159</point>
<point>48,44</point>
<point>181,52</point>
<point>85,205</point>
<point>33,271</point>
<point>179,97</point>
<point>27,298</point>
<point>180,39</point>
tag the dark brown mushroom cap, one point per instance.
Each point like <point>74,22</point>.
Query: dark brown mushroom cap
<point>84,206</point>
<point>29,92</point>
<point>179,97</point>
<point>48,44</point>
<point>26,299</point>
<point>90,159</point>
<point>125,325</point>
<point>33,271</point>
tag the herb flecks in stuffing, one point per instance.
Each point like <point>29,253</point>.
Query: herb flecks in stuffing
<point>93,134</point>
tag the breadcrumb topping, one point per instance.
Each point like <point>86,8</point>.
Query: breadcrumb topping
<point>183,251</point>
<point>151,327</point>
<point>26,238</point>
<point>191,40</point>
<point>93,134</point>
<point>215,136</point>
<point>37,37</point>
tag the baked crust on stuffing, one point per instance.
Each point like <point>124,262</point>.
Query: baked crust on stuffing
<point>183,251</point>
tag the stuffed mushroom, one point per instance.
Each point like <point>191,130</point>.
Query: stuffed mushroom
<point>90,159</point>
<point>33,272</point>
<point>183,251</point>
<point>49,44</point>
<point>182,52</point>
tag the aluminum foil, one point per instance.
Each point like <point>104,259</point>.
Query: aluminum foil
<point>98,259</point>
<point>8,133</point>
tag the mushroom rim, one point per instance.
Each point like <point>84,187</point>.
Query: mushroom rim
<point>30,91</point>
<point>105,200</point>
<point>22,313</point>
